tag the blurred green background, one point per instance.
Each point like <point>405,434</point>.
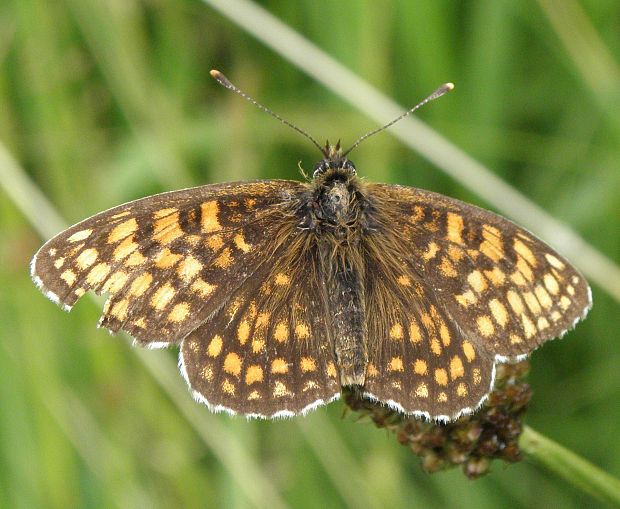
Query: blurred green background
<point>106,101</point>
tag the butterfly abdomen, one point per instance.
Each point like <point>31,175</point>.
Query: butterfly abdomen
<point>349,318</point>
<point>338,211</point>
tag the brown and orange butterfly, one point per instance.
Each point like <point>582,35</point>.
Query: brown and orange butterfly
<point>280,293</point>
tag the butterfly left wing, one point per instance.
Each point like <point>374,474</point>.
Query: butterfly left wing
<point>168,261</point>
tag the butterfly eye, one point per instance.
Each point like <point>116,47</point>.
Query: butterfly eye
<point>348,165</point>
<point>320,168</point>
<point>325,164</point>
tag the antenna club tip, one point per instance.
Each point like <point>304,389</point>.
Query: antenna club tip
<point>219,77</point>
<point>449,86</point>
<point>215,73</point>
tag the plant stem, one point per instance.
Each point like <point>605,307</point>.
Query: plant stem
<point>577,471</point>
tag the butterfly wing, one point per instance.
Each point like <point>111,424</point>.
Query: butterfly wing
<point>419,361</point>
<point>460,288</point>
<point>168,261</point>
<point>268,352</point>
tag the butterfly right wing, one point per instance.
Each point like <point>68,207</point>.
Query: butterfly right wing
<point>452,289</point>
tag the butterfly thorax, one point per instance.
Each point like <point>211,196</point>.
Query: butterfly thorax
<point>336,194</point>
<point>337,201</point>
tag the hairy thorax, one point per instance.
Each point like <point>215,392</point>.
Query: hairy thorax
<point>338,218</point>
<point>339,207</point>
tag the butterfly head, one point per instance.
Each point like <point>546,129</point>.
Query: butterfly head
<point>334,161</point>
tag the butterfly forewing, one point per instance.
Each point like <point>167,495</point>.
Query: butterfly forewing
<point>169,260</point>
<point>507,291</point>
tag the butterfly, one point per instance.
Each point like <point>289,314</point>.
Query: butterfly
<point>280,293</point>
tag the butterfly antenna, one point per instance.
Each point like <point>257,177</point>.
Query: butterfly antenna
<point>225,82</point>
<point>443,89</point>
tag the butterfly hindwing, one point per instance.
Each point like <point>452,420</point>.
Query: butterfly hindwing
<point>419,360</point>
<point>167,261</point>
<point>268,351</point>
